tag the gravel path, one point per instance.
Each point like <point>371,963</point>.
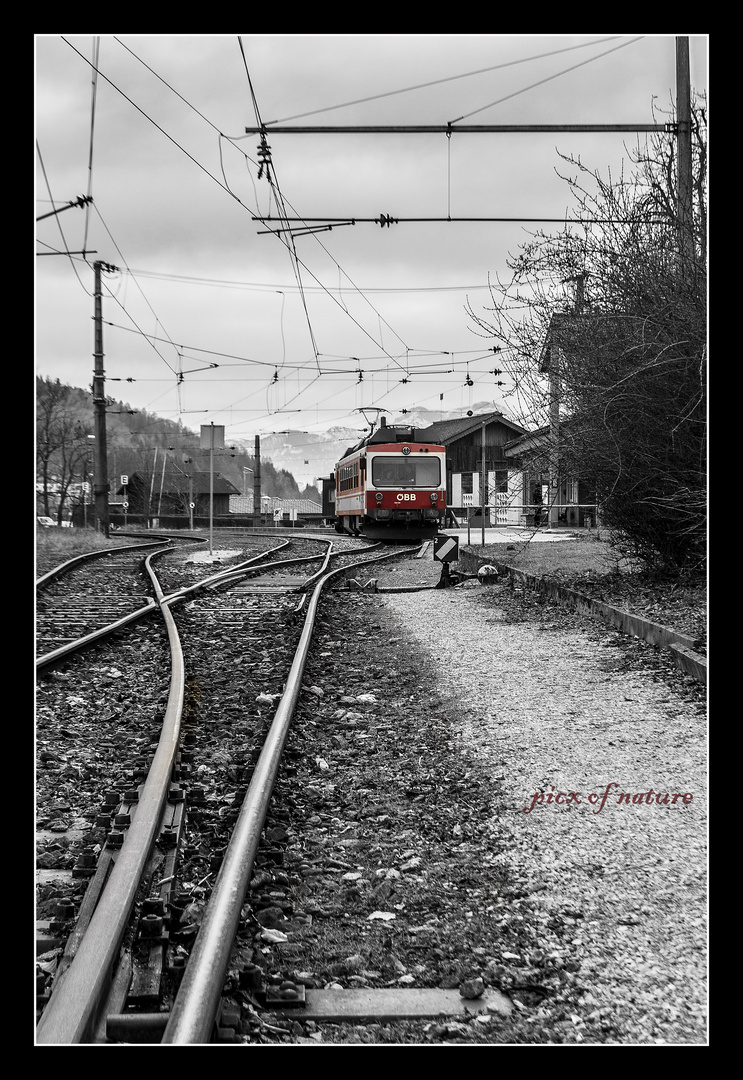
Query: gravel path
<point>544,710</point>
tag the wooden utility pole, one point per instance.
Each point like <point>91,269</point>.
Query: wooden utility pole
<point>683,139</point>
<point>100,462</point>
<point>257,483</point>
<point>212,438</point>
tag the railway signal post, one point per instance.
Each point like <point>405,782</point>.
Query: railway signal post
<point>446,551</point>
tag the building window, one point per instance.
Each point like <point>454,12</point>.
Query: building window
<point>467,488</point>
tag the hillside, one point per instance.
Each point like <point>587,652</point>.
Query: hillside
<point>291,461</point>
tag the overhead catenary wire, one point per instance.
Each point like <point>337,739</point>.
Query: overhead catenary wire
<point>300,286</point>
<point>549,78</point>
<point>267,164</point>
<point>439,82</point>
<point>279,198</point>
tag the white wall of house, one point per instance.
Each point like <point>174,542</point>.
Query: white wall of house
<point>504,507</point>
<point>456,489</point>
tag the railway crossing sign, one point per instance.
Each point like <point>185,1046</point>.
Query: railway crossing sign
<point>446,549</point>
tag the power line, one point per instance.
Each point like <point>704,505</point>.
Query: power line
<point>440,82</point>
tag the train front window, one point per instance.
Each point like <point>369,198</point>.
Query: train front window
<point>423,472</point>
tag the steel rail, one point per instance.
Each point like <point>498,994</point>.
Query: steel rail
<point>194,1010</point>
<point>239,571</point>
<point>366,562</point>
<point>72,647</point>
<point>232,574</point>
<point>63,568</point>
<point>73,1013</point>
<point>233,571</point>
<point>73,1008</point>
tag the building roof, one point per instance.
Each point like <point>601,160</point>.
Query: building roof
<point>177,483</point>
<point>448,431</point>
<point>527,441</point>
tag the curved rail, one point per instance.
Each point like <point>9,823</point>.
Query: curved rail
<point>71,1017</point>
<point>73,1013</point>
<point>63,568</point>
<point>48,660</point>
<point>194,1009</point>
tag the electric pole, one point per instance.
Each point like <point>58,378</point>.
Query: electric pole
<point>683,140</point>
<point>100,463</point>
<point>257,484</point>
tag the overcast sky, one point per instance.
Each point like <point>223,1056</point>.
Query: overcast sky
<point>303,332</point>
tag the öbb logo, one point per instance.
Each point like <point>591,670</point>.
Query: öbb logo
<point>406,497</point>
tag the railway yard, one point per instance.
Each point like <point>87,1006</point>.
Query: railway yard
<point>469,817</point>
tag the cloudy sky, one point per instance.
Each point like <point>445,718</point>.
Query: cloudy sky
<point>211,316</point>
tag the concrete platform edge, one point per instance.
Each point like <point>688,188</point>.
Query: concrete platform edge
<point>682,645</point>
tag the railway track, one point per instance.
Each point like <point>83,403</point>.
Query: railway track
<point>87,598</point>
<point>166,860</point>
<point>378,811</point>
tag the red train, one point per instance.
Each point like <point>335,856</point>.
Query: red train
<point>390,487</point>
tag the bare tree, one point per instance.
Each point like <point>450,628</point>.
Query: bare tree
<point>63,450</point>
<point>602,329</point>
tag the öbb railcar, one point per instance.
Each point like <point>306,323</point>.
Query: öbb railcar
<point>391,487</point>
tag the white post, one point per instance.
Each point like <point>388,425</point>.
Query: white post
<point>152,488</point>
<point>211,488</point>
<point>483,484</point>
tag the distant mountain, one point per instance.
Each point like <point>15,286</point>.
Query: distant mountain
<point>308,456</point>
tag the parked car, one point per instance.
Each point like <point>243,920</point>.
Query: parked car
<point>46,522</point>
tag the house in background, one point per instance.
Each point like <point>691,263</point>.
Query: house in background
<point>568,501</point>
<point>463,439</point>
<point>171,493</point>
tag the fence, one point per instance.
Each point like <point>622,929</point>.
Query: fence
<point>503,511</point>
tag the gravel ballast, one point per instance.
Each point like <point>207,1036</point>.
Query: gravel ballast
<point>430,761</point>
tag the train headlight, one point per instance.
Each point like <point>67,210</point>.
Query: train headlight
<point>434,496</point>
<point>378,496</point>
<point>406,450</point>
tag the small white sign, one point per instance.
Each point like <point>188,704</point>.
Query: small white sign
<point>212,437</point>
<point>124,481</point>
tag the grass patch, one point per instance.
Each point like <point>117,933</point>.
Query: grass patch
<point>585,557</point>
<point>55,546</point>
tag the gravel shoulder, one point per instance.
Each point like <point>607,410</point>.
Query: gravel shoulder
<point>433,720</point>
